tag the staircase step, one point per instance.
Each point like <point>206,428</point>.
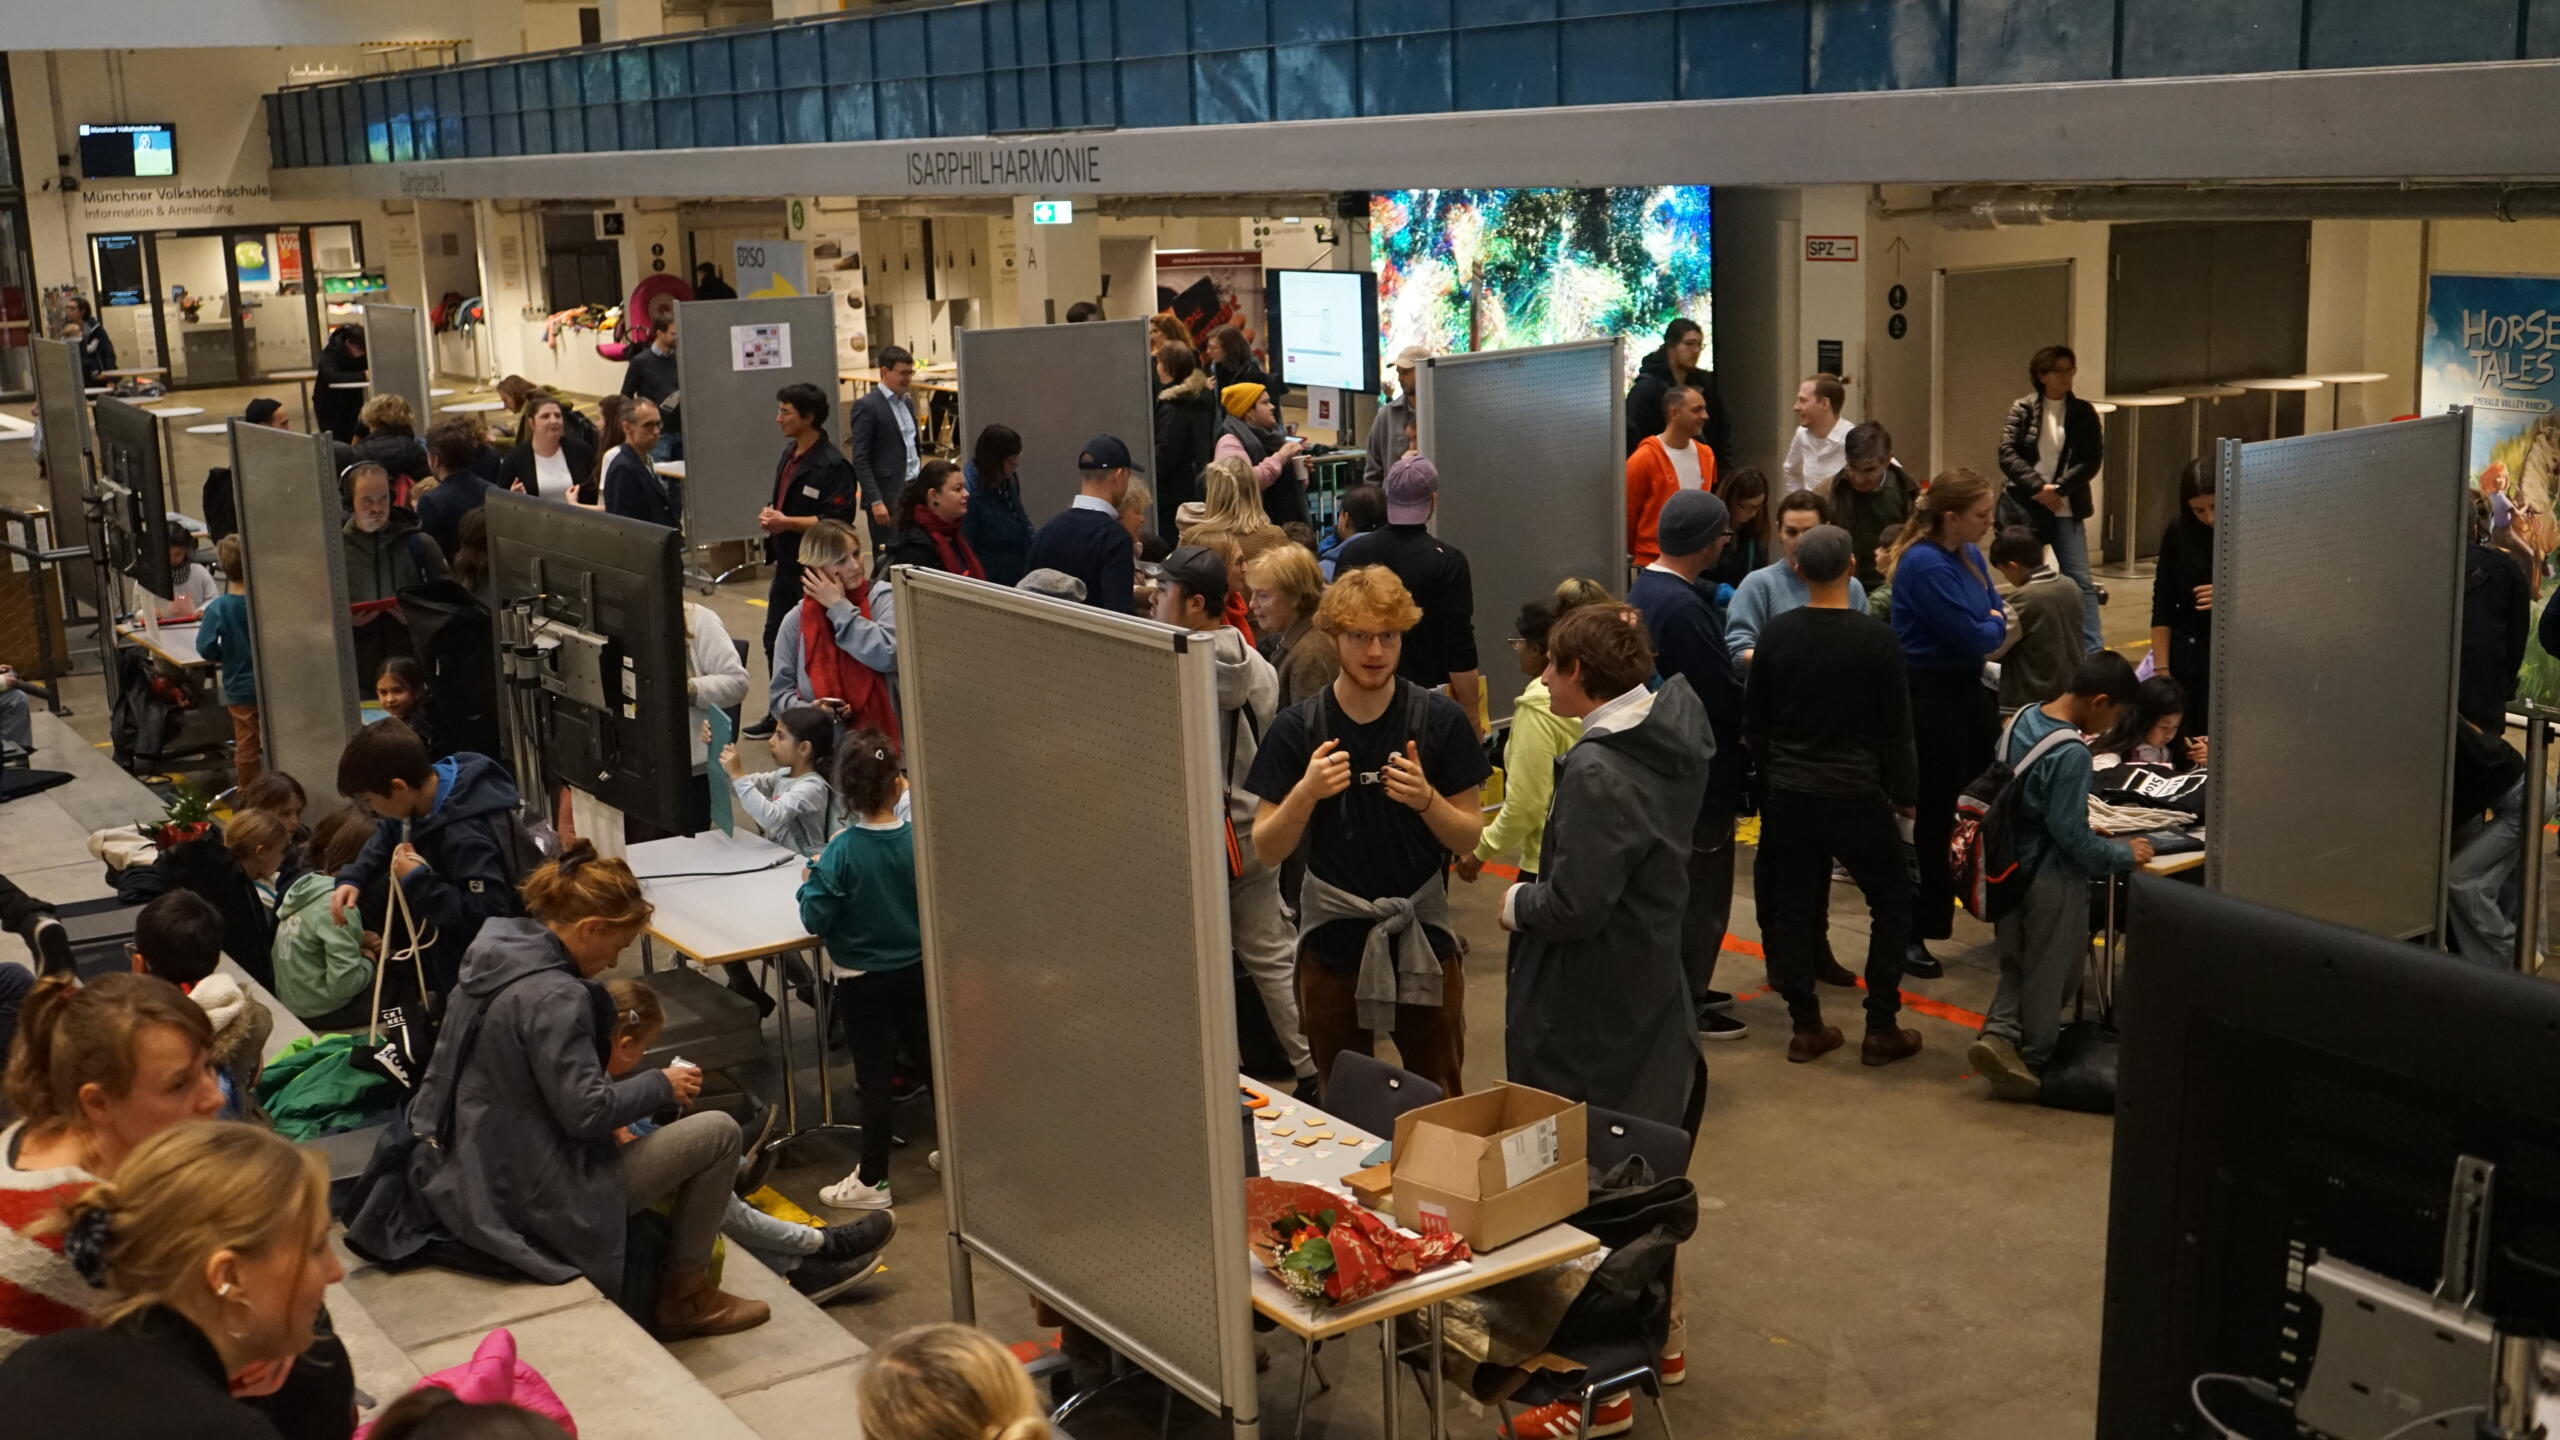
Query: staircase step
<point>618,1383</point>
<point>799,1340</point>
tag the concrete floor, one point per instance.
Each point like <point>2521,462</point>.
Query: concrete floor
<point>1881,1252</point>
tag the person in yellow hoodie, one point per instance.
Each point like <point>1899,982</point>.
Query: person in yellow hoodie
<point>1539,738</point>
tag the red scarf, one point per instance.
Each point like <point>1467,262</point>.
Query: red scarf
<point>957,557</point>
<point>834,675</point>
<point>1240,615</point>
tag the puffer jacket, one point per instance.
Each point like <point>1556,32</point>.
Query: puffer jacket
<point>1189,420</point>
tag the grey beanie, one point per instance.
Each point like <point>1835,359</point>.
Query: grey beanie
<point>1691,521</point>
<point>1057,583</point>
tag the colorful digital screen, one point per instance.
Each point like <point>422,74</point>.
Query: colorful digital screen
<point>126,152</point>
<point>1464,270</point>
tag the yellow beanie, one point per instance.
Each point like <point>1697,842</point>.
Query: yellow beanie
<point>1240,398</point>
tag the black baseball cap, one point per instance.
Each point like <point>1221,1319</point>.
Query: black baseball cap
<point>1105,452</point>
<point>1199,571</point>
<point>262,410</point>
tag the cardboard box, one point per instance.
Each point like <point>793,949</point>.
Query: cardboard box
<point>1494,1166</point>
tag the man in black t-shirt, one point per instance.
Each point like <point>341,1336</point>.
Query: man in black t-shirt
<point>1379,776</point>
<point>1828,715</point>
<point>1442,648</point>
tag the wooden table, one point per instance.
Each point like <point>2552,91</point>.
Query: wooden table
<point>730,899</point>
<point>176,643</point>
<point>1327,1164</point>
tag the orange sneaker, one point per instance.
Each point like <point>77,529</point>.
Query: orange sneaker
<point>1673,1368</point>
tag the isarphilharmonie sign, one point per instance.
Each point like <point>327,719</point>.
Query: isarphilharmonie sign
<point>1006,168</point>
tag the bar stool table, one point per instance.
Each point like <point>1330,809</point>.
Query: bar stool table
<point>168,451</point>
<point>2338,380</point>
<point>302,380</point>
<point>2130,512</point>
<point>2201,394</point>
<point>2276,388</point>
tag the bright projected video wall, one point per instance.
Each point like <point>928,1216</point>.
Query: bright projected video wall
<point>1462,270</point>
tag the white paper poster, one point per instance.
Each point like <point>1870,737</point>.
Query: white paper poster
<point>769,269</point>
<point>1324,408</point>
<point>759,347</point>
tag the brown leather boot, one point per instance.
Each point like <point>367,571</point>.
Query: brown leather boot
<point>689,1304</point>
<point>1813,1044</point>
<point>1883,1047</point>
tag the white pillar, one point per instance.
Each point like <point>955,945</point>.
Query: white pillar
<point>632,19</point>
<point>1059,265</point>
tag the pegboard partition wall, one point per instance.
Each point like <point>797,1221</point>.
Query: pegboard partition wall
<point>290,519</point>
<point>730,444</point>
<point>2299,817</point>
<point>396,360</point>
<point>1531,448</point>
<point>1058,386</point>
<point>63,412</point>
<point>1083,1025</point>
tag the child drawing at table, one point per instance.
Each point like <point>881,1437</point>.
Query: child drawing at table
<point>223,638</point>
<point>821,1264</point>
<point>794,806</point>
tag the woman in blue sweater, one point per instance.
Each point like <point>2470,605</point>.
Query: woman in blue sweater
<point>1950,619</point>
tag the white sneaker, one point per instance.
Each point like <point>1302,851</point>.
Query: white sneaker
<point>935,1160</point>
<point>850,1193</point>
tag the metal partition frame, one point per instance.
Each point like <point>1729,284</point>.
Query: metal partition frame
<point>1059,386</point>
<point>1109,978</point>
<point>62,411</point>
<point>730,444</point>
<point>287,484</point>
<point>2299,817</point>
<point>397,360</point>
<point>1531,446</point>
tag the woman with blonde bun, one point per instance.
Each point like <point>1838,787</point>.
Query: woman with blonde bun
<point>210,1248</point>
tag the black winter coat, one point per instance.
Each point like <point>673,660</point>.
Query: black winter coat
<point>2497,608</point>
<point>1644,407</point>
<point>2084,449</point>
<point>1189,420</point>
<point>336,409</point>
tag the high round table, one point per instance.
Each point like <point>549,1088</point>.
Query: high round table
<point>2201,395</point>
<point>2128,509</point>
<point>302,380</point>
<point>168,452</point>
<point>2276,387</point>
<point>2338,380</point>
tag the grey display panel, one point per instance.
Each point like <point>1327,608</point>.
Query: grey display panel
<point>136,495</point>
<point>395,353</point>
<point>1059,386</point>
<point>1531,447</point>
<point>2298,819</point>
<point>63,411</point>
<point>1089,758</point>
<point>290,517</point>
<point>730,444</point>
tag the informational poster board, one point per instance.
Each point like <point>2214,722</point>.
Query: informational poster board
<point>732,357</point>
<point>1205,289</point>
<point>1058,386</point>
<point>769,269</point>
<point>290,516</point>
<point>1091,757</point>
<point>2493,344</point>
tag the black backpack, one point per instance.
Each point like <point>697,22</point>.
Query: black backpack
<point>1982,851</point>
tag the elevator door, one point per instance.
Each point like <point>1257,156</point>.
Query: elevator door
<point>2192,305</point>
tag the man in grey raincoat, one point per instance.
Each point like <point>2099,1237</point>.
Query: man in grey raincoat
<point>1598,1009</point>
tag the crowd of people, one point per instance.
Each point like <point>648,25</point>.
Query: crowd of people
<point>1840,650</point>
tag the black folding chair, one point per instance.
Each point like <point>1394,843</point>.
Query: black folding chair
<point>1370,1093</point>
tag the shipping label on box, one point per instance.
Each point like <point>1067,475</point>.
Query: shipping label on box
<point>1530,1153</point>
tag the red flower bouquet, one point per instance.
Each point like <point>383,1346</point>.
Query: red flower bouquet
<point>1324,1247</point>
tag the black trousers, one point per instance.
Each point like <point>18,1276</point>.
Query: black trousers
<point>779,599</point>
<point>1710,908</point>
<point>879,1011</point>
<point>1800,835</point>
<point>1955,720</point>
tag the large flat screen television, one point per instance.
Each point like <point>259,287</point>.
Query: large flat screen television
<point>128,152</point>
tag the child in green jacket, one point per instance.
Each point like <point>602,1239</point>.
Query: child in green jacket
<point>860,898</point>
<point>324,971</point>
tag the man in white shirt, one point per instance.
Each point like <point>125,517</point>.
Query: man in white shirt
<point>1822,432</point>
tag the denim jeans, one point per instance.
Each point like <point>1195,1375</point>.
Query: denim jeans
<point>670,447</point>
<point>2071,557</point>
<point>779,1243</point>
<point>2484,901</point>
